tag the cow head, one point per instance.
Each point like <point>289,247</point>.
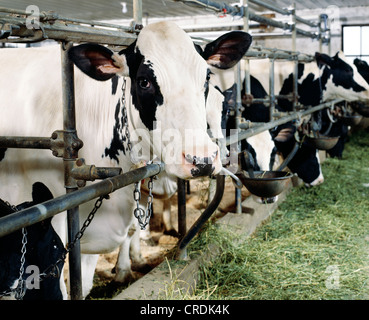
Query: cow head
<point>363,68</point>
<point>169,89</point>
<point>339,79</point>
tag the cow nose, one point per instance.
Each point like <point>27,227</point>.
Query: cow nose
<point>202,166</point>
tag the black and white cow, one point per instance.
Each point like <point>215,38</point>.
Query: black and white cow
<point>325,79</point>
<point>43,249</point>
<point>336,79</point>
<point>166,92</point>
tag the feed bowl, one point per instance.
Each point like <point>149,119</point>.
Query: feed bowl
<point>322,142</point>
<point>351,120</point>
<point>265,184</point>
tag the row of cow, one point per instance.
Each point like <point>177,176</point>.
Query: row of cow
<point>171,88</point>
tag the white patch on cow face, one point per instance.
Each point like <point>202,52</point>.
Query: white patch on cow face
<point>320,178</point>
<point>263,145</point>
<point>180,72</point>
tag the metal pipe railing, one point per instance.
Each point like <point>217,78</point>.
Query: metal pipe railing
<point>235,10</point>
<point>58,28</point>
<point>48,209</point>
<point>256,129</point>
<point>283,11</point>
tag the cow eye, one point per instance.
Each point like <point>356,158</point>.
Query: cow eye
<point>144,83</point>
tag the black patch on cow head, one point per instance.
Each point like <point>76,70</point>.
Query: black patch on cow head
<point>363,68</point>
<point>343,74</point>
<point>145,91</point>
<point>118,140</point>
<point>2,153</point>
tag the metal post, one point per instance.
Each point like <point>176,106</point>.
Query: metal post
<point>182,226</point>
<point>70,155</point>
<point>137,11</point>
<point>245,4</point>
<point>271,89</point>
<point>295,71</point>
<point>238,117</point>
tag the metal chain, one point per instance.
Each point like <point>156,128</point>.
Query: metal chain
<point>53,270</point>
<point>143,216</point>
<point>125,116</point>
<point>20,290</point>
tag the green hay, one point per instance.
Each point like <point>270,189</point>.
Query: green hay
<point>315,246</point>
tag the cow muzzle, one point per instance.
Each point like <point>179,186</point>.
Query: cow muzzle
<point>201,166</point>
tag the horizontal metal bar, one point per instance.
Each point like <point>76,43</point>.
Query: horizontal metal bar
<point>53,16</point>
<point>48,209</point>
<point>25,142</point>
<point>269,125</point>
<point>283,11</point>
<point>235,10</point>
<point>66,31</point>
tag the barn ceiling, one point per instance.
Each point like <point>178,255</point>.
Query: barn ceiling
<point>112,9</point>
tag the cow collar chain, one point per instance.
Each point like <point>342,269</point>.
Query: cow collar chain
<point>20,289</point>
<point>143,216</point>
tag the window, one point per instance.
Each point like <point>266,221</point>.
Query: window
<point>355,42</point>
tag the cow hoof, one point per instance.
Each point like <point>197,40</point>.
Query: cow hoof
<point>124,276</point>
<point>172,232</point>
<point>141,267</point>
<point>149,242</point>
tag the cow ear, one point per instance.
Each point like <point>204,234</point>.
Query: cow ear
<point>323,59</point>
<point>227,50</point>
<point>98,62</point>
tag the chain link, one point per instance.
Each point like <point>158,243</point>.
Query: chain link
<point>125,116</point>
<point>143,216</point>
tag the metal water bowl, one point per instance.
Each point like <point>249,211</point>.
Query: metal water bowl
<point>351,120</point>
<point>266,184</point>
<point>322,142</point>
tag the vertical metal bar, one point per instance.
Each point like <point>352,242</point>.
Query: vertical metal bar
<point>245,4</point>
<point>320,34</point>
<point>271,89</point>
<point>238,117</point>
<point>137,11</point>
<point>182,226</point>
<point>69,126</point>
<point>294,47</point>
<point>294,29</point>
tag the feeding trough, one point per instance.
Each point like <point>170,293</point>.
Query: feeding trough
<point>322,142</point>
<point>265,184</point>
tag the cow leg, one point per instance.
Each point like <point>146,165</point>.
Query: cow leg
<point>88,266</point>
<point>123,272</point>
<point>167,221</point>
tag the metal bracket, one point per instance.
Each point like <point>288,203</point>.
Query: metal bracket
<point>61,139</point>
<point>82,172</point>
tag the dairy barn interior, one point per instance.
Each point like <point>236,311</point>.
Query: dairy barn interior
<point>282,31</point>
